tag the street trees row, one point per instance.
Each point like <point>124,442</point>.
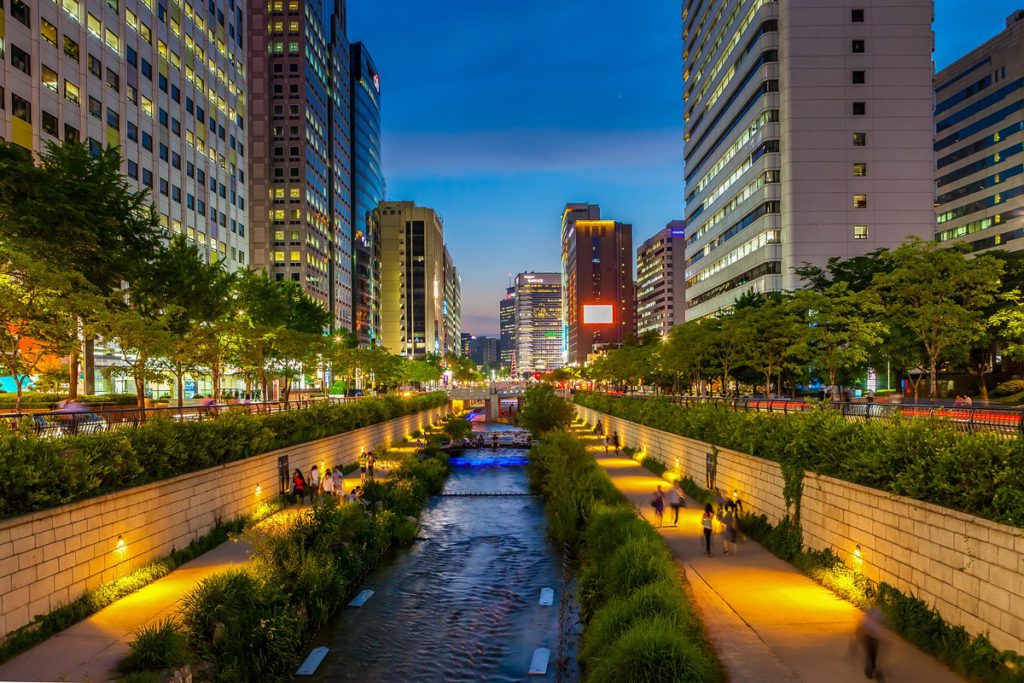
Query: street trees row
<point>83,257</point>
<point>918,309</point>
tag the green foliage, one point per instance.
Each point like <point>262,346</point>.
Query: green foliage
<point>921,458</point>
<point>156,647</point>
<point>37,473</point>
<point>252,623</point>
<point>457,428</point>
<point>639,625</point>
<point>654,465</point>
<point>1008,388</point>
<point>544,411</point>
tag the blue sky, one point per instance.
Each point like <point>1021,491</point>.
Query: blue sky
<point>496,113</point>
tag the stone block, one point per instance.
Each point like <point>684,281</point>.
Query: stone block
<point>1005,579</point>
<point>22,544</point>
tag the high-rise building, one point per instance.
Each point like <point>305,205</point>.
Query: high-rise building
<point>467,341</point>
<point>368,190</point>
<point>412,279</point>
<point>164,83</point>
<point>661,280</point>
<point>807,135</point>
<point>481,350</point>
<point>451,308</point>
<point>507,329</point>
<point>597,282</point>
<point>300,148</point>
<point>538,322</point>
<point>979,144</point>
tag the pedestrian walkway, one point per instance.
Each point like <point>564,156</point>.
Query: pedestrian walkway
<point>91,649</point>
<point>767,621</point>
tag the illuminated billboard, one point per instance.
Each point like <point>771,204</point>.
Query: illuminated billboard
<point>594,314</point>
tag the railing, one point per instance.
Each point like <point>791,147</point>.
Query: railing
<point>1004,420</point>
<point>60,423</point>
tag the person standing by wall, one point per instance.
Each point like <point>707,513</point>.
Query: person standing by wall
<point>314,483</point>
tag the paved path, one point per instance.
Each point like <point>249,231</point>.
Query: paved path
<point>768,621</point>
<point>91,649</point>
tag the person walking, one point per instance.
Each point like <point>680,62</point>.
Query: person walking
<point>658,503</point>
<point>707,522</point>
<point>729,523</point>
<point>370,460</point>
<point>870,632</point>
<point>298,486</point>
<point>327,484</point>
<point>362,466</point>
<point>314,483</point>
<point>607,443</point>
<point>676,500</point>
<point>615,440</point>
<point>339,481</point>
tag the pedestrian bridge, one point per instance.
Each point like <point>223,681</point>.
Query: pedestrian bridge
<point>496,400</point>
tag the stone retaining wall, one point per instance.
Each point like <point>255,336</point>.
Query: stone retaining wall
<point>52,557</point>
<point>970,569</point>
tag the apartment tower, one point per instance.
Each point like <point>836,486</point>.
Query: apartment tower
<point>451,307</point>
<point>413,284</point>
<point>368,190</point>
<point>598,305</point>
<point>807,135</point>
<point>164,82</point>
<point>538,321</point>
<point>979,144</point>
<point>300,142</point>
<point>507,329</point>
<point>661,280</point>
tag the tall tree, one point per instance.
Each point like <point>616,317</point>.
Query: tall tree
<point>940,296</point>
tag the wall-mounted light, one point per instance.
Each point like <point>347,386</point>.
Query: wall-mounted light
<point>121,545</point>
<point>858,558</point>
<point>259,490</point>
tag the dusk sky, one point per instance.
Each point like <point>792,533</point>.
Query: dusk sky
<point>497,113</point>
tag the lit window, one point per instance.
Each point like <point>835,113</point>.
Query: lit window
<point>131,19</point>
<point>860,232</point>
<point>147,105</point>
<point>72,8</point>
<point>279,256</point>
<point>50,78</point>
<point>860,201</point>
<point>71,91</point>
<point>294,193</point>
<point>48,31</point>
<point>279,235</point>
<point>860,139</point>
<point>296,256</point>
<point>94,25</point>
<point>293,47</point>
<point>113,42</point>
<point>860,170</point>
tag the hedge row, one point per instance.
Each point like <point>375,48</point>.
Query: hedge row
<point>38,473</point>
<point>251,624</point>
<point>981,474</point>
<point>639,625</point>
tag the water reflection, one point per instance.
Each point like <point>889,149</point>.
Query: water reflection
<point>462,604</point>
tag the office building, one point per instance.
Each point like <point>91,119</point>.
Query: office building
<point>661,280</point>
<point>451,307</point>
<point>597,282</point>
<point>807,133</point>
<point>507,329</point>
<point>413,285</point>
<point>538,322</point>
<point>300,169</point>
<point>368,190</point>
<point>164,84</point>
<point>979,144</point>
<point>481,350</point>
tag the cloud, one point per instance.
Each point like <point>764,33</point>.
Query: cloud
<point>512,152</point>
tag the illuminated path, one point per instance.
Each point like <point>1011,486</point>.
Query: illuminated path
<point>767,621</point>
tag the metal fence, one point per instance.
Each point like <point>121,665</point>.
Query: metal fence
<point>58,423</point>
<point>1004,420</point>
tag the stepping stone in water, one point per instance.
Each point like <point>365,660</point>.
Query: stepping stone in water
<point>547,596</point>
<point>361,599</point>
<point>309,666</point>
<point>539,663</point>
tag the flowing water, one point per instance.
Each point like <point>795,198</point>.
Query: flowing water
<point>463,603</point>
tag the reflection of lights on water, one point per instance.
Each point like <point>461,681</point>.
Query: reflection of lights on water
<point>489,461</point>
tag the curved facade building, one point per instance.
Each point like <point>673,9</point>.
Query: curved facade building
<point>368,190</point>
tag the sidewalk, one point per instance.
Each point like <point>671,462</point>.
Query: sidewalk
<point>91,649</point>
<point>767,621</point>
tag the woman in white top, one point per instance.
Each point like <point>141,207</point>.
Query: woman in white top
<point>327,485</point>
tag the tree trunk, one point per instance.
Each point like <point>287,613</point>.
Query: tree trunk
<point>215,371</point>
<point>179,377</point>
<point>17,401</point>
<point>979,371</point>
<point>140,393</point>
<point>73,374</point>
<point>933,371</point>
<point>89,374</point>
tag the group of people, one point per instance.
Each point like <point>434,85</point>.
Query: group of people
<point>331,482</point>
<point>726,516</point>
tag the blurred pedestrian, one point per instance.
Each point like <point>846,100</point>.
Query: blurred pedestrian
<point>728,518</point>
<point>370,461</point>
<point>707,521</point>
<point>658,503</point>
<point>327,483</point>
<point>339,480</point>
<point>616,442</point>
<point>870,633</point>
<point>676,500</point>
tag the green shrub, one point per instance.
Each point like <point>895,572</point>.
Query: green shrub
<point>157,647</point>
<point>618,615</point>
<point>926,459</point>
<point>38,473</point>
<point>653,651</point>
<point>1008,388</point>
<point>544,410</point>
